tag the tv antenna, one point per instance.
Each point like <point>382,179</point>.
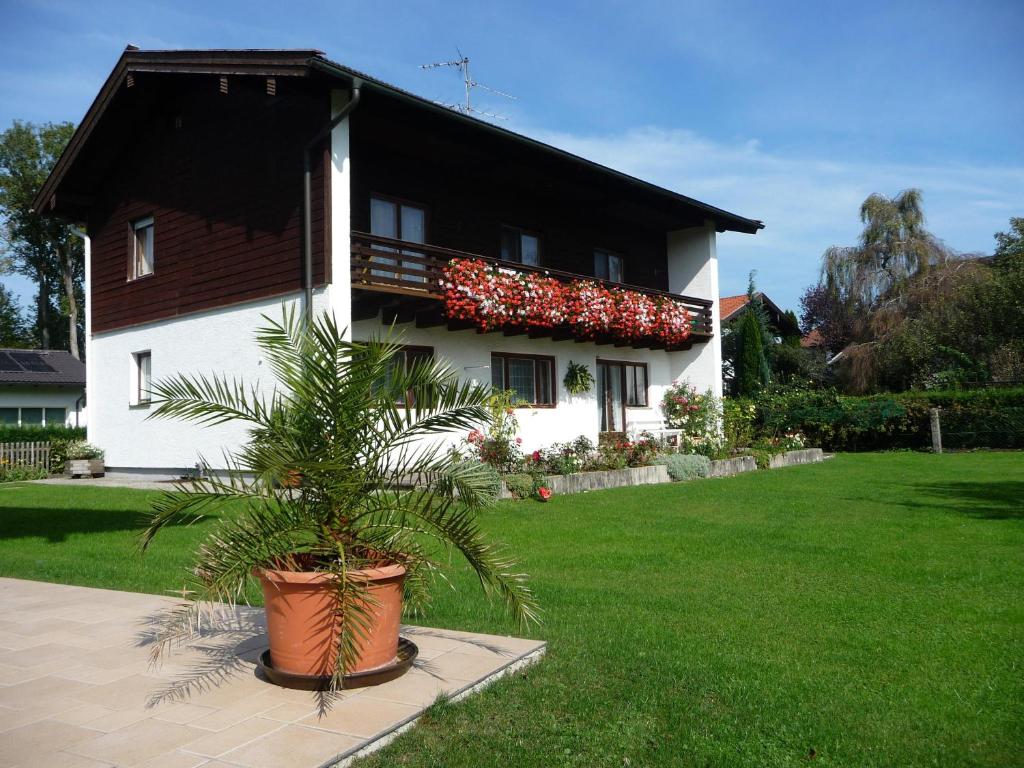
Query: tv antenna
<point>462,64</point>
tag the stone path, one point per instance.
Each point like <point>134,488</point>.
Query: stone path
<point>77,688</point>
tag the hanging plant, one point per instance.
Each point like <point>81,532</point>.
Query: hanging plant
<point>578,379</point>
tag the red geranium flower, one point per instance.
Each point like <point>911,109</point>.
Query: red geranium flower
<point>544,493</point>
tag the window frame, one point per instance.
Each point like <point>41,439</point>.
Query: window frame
<point>419,349</point>
<point>552,367</point>
<point>398,202</point>
<point>606,252</point>
<point>137,225</point>
<point>626,365</point>
<point>520,231</point>
<point>137,399</point>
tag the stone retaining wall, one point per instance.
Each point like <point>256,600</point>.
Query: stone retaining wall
<point>792,458</point>
<point>596,481</point>
<point>727,467</point>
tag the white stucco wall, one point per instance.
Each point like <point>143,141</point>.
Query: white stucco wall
<point>693,271</point>
<point>17,396</point>
<point>470,354</point>
<point>339,292</point>
<point>219,341</point>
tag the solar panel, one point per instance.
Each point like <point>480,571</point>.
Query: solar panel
<point>32,361</point>
<point>7,364</point>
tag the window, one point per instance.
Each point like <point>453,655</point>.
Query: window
<point>143,378</point>
<point>607,265</point>
<point>636,384</point>
<point>399,221</point>
<point>31,417</point>
<point>531,377</point>
<point>407,357</point>
<point>56,416</point>
<point>9,416</point>
<point>520,245</point>
<point>142,248</point>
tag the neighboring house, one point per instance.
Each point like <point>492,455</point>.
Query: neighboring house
<point>41,387</point>
<point>732,306</point>
<point>188,173</point>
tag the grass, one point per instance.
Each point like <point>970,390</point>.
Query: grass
<point>862,612</point>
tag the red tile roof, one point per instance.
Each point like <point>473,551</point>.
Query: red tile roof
<point>812,339</point>
<point>730,305</point>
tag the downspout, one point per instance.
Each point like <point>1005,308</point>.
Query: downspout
<point>307,183</point>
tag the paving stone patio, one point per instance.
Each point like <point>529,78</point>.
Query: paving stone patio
<point>77,688</point>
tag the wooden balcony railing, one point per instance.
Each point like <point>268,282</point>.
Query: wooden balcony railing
<point>415,269</point>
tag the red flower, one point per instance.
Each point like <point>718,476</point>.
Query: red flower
<point>493,297</point>
<point>519,441</point>
<point>535,456</point>
<point>544,493</point>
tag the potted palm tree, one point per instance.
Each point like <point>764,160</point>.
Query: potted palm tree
<point>343,503</point>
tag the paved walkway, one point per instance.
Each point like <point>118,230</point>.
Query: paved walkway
<point>77,691</point>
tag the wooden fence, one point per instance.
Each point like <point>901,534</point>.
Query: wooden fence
<point>35,454</point>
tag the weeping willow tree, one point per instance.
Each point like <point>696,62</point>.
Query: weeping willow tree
<point>867,284</point>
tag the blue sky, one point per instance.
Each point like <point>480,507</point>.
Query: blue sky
<point>787,112</point>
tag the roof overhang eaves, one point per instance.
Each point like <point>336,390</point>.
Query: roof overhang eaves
<point>301,62</point>
<point>222,62</point>
<point>722,219</point>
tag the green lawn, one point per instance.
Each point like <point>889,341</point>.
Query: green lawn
<point>865,611</point>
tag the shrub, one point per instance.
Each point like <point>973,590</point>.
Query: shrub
<point>499,446</point>
<point>11,473</point>
<point>697,415</point>
<point>981,418</point>
<point>11,434</point>
<point>524,485</point>
<point>82,450</point>
<point>685,466</point>
<point>739,416</point>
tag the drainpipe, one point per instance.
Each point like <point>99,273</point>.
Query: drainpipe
<point>307,174</point>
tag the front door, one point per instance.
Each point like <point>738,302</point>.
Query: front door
<point>610,398</point>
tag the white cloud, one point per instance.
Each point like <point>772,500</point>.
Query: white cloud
<point>807,203</point>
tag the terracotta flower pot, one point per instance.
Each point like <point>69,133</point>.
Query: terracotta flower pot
<point>302,624</point>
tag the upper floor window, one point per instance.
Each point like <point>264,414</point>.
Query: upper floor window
<point>607,265</point>
<point>142,248</point>
<point>530,377</point>
<point>520,245</point>
<point>399,221</point>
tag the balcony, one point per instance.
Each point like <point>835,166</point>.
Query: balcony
<point>402,282</point>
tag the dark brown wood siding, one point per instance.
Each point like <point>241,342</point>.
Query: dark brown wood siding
<point>471,184</point>
<point>221,175</point>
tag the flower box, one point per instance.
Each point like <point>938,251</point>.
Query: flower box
<point>493,297</point>
<point>85,467</point>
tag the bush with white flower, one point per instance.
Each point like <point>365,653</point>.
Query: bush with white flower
<point>698,415</point>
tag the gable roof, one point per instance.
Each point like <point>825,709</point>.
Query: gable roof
<point>730,306</point>
<point>41,366</point>
<point>312,63</point>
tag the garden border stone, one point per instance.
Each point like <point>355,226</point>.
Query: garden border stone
<point>734,466</point>
<point>580,482</point>
<point>793,458</point>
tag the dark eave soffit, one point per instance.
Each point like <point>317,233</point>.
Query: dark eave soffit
<point>283,63</point>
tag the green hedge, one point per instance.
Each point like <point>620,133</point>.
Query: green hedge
<point>983,418</point>
<point>10,434</point>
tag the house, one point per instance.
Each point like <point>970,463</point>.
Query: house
<point>217,185</point>
<point>732,306</point>
<point>41,387</point>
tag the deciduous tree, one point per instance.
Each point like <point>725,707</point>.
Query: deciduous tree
<point>43,249</point>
